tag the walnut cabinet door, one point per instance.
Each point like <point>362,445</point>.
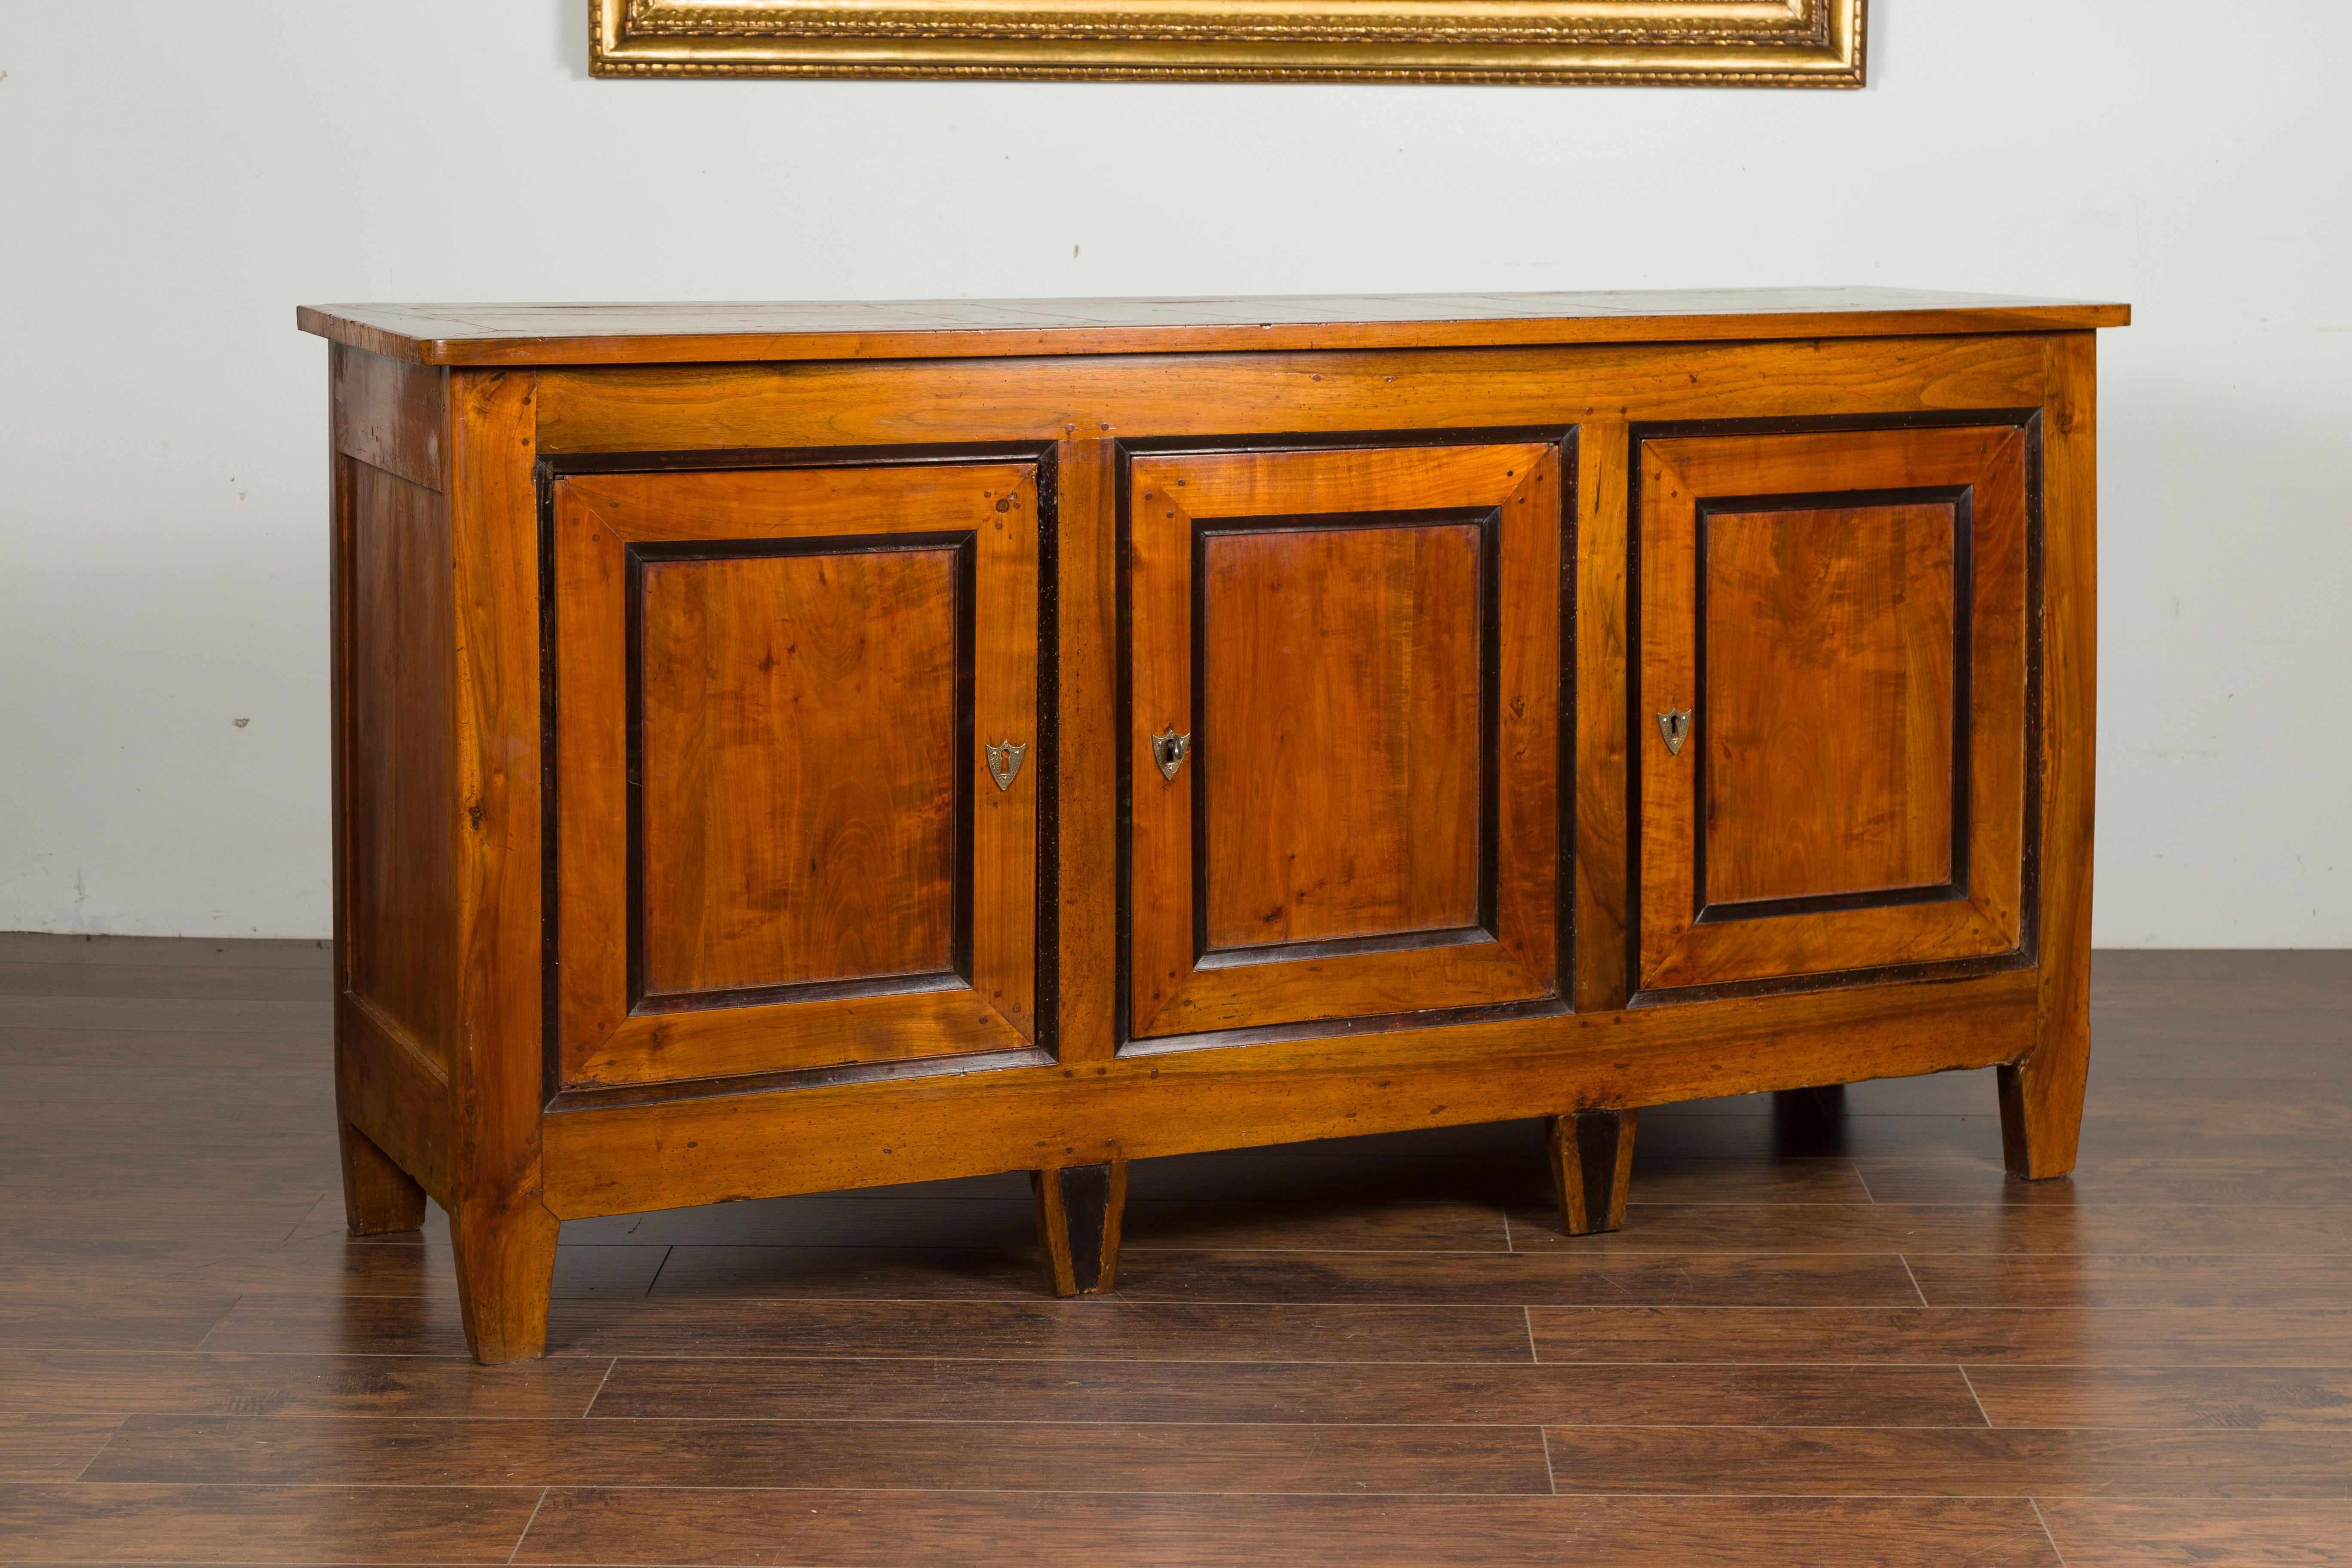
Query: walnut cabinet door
<point>1344,735</point>
<point>795,789</point>
<point>1832,701</point>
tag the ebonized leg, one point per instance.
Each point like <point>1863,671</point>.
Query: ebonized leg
<point>1808,1122</point>
<point>1078,1212</point>
<point>1821,1101</point>
<point>1591,1164</point>
<point>505,1268</point>
<point>379,1197</point>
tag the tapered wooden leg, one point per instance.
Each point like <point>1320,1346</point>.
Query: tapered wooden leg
<point>1079,1212</point>
<point>2042,1112</point>
<point>506,1267</point>
<point>379,1197</point>
<point>1591,1165</point>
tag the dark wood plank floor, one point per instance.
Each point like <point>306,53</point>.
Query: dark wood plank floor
<point>1829,1333</point>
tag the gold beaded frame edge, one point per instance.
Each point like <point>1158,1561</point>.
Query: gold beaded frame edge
<point>1718,43</point>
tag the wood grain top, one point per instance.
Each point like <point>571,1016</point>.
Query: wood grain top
<point>685,332</point>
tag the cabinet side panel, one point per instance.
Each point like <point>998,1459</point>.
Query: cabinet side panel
<point>399,765</point>
<point>389,414</point>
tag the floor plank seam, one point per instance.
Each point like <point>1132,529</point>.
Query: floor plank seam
<point>590,1408</point>
<point>226,1313</point>
<point>303,1221</point>
<point>1975,1395</point>
<point>529,1522</point>
<point>2049,1534</point>
<point>98,1453</point>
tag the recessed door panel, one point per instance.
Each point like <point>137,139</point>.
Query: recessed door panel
<point>1344,759</point>
<point>1342,667</point>
<point>1829,683</point>
<point>798,758</point>
<point>1833,701</point>
<point>779,841</point>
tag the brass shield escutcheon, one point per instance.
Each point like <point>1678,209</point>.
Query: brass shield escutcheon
<point>1169,749</point>
<point>1674,728</point>
<point>1004,762</point>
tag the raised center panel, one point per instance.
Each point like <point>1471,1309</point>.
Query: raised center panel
<point>1342,668</point>
<point>781,842</point>
<point>1830,683</point>
<point>1343,772</point>
<point>798,754</point>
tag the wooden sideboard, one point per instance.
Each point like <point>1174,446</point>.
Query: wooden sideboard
<point>782,747</point>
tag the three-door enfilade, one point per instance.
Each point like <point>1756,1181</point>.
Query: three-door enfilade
<point>781,754</point>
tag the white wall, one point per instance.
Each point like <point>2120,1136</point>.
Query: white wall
<point>175,178</point>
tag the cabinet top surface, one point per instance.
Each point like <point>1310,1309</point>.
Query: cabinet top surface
<point>684,333</point>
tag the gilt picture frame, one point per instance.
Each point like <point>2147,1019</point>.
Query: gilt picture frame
<point>1720,43</point>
